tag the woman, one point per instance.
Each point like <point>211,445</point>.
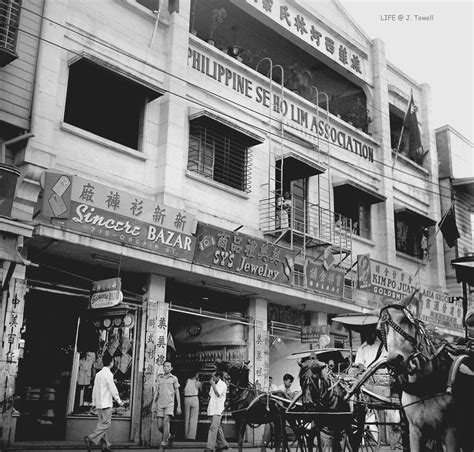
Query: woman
<point>191,406</point>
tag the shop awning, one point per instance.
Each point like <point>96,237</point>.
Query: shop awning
<point>421,218</point>
<point>296,166</point>
<point>464,267</point>
<point>346,186</point>
<point>465,185</point>
<point>251,138</point>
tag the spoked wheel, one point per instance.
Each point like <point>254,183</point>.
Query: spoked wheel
<point>371,435</point>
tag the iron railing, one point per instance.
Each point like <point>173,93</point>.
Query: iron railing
<point>9,22</point>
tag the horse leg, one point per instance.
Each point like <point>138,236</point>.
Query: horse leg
<point>415,439</point>
<point>450,440</point>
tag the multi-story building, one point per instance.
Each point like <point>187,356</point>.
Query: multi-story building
<point>456,179</point>
<point>233,163</point>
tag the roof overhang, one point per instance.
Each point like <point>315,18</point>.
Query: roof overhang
<point>251,138</point>
<point>297,166</point>
<point>465,184</point>
<point>347,186</point>
<point>422,218</point>
<point>464,267</point>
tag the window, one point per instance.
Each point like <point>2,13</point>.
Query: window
<point>353,206</point>
<point>411,233</point>
<point>106,103</point>
<point>9,21</point>
<point>220,153</point>
<point>354,200</point>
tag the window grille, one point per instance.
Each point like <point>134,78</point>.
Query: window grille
<point>9,21</point>
<point>219,153</point>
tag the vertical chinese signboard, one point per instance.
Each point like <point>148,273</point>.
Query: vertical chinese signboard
<point>10,348</point>
<point>155,355</point>
<point>261,361</point>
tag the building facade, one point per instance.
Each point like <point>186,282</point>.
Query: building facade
<point>222,176</point>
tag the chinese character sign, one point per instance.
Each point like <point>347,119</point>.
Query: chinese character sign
<point>363,271</point>
<point>437,308</point>
<point>315,33</point>
<point>322,280</point>
<point>243,254</point>
<point>115,215</point>
<point>261,358</point>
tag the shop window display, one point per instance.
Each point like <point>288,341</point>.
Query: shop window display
<point>99,334</point>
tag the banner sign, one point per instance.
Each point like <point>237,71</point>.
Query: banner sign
<point>363,271</point>
<point>312,333</point>
<point>116,215</point>
<point>321,280</point>
<point>106,293</point>
<point>314,32</point>
<point>243,255</point>
<point>392,283</point>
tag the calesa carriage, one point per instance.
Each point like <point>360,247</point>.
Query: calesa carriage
<point>417,398</point>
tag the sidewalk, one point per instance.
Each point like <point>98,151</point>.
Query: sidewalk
<point>177,447</point>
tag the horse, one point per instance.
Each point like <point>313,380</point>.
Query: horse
<point>253,407</point>
<point>437,400</point>
<point>324,396</point>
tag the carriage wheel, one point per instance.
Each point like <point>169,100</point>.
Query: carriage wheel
<point>371,434</point>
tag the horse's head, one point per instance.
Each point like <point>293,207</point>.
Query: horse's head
<point>313,379</point>
<point>403,335</point>
<point>238,376</point>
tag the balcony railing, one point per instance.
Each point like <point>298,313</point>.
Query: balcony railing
<point>310,222</point>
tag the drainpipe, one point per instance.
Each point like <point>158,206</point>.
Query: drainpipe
<point>18,139</point>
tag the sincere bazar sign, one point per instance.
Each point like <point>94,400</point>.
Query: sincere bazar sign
<point>116,215</point>
<point>393,283</point>
<point>296,116</point>
<point>243,255</point>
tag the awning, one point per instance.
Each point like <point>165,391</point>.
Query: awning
<point>347,187</point>
<point>87,61</point>
<point>251,138</point>
<point>465,185</point>
<point>405,211</point>
<point>464,267</point>
<point>296,166</point>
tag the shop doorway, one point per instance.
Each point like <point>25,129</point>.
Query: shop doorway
<point>49,332</point>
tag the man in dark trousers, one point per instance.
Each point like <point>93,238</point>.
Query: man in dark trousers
<point>102,394</point>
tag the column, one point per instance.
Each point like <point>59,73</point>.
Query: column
<point>154,330</point>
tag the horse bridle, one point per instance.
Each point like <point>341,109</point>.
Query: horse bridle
<point>416,341</point>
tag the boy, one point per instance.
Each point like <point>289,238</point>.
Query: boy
<point>167,389</point>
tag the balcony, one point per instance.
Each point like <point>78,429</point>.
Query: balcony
<point>231,28</point>
<point>305,225</point>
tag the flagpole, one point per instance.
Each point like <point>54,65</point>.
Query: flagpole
<point>398,145</point>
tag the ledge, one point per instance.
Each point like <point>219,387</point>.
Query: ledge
<point>407,257</point>
<point>215,184</point>
<point>15,227</point>
<point>102,141</point>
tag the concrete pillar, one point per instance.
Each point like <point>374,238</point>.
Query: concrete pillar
<point>149,360</point>
<point>383,217</point>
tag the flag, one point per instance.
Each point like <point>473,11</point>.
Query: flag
<point>410,122</point>
<point>448,227</point>
<point>170,343</point>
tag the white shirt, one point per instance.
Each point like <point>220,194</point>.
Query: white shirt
<point>104,389</point>
<point>367,353</point>
<point>217,403</point>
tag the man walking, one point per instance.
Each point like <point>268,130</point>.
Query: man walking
<point>215,409</point>
<point>102,393</point>
<point>167,389</point>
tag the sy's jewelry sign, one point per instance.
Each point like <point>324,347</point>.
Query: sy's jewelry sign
<point>116,215</point>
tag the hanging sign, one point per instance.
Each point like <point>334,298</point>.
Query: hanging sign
<point>106,293</point>
<point>312,333</point>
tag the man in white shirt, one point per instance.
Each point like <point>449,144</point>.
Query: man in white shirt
<point>102,394</point>
<point>215,409</point>
<point>368,351</point>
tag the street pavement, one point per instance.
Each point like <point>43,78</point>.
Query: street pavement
<point>177,447</point>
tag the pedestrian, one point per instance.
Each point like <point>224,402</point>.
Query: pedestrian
<point>103,392</point>
<point>167,390</point>
<point>286,386</point>
<point>215,438</point>
<point>191,406</point>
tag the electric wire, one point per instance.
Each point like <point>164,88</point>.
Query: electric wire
<point>262,130</point>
